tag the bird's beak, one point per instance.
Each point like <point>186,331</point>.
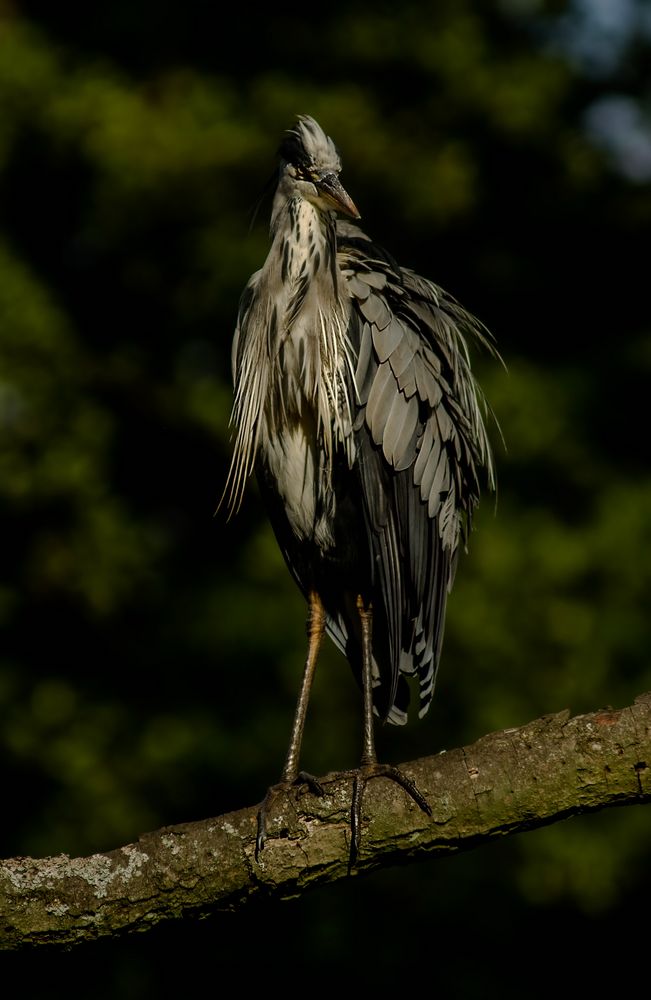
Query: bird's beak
<point>335,194</point>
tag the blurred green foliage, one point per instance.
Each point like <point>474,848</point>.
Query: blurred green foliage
<point>151,651</point>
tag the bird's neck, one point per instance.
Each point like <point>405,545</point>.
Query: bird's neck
<point>303,285</point>
<point>305,245</point>
<point>307,333</point>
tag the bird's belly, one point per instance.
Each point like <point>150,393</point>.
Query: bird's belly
<point>294,465</point>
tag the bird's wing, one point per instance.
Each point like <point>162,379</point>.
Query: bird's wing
<point>420,443</point>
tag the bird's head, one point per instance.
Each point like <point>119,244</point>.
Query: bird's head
<point>310,167</point>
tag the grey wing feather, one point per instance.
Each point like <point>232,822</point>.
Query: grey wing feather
<point>380,400</point>
<point>366,366</point>
<point>399,437</point>
<point>376,311</point>
<point>388,339</point>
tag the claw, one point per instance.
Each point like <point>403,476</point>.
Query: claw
<point>302,778</point>
<point>362,777</point>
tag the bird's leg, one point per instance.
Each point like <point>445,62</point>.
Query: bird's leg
<point>369,767</point>
<point>369,755</point>
<point>291,774</point>
<point>316,628</point>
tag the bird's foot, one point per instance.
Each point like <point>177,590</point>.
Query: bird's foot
<point>302,778</point>
<point>362,777</point>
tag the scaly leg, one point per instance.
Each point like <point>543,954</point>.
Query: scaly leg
<point>291,774</point>
<point>369,767</point>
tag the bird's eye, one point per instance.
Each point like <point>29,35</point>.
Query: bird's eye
<point>305,174</point>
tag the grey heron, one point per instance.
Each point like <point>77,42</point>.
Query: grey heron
<point>355,404</point>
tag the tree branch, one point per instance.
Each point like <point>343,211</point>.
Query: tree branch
<point>505,783</point>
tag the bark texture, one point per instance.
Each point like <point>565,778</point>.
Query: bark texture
<point>504,783</point>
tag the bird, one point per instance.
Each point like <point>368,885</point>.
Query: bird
<point>356,407</point>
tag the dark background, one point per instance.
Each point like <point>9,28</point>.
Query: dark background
<point>151,651</point>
